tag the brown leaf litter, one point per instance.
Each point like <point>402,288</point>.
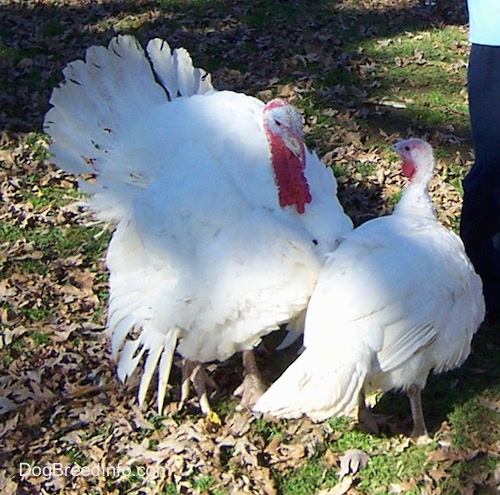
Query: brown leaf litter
<point>67,424</point>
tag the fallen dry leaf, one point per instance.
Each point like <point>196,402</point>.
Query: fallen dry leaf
<point>341,488</point>
<point>352,461</point>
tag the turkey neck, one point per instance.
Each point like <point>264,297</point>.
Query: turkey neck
<point>416,199</point>
<point>419,170</point>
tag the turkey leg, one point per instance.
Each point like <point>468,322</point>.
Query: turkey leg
<point>368,418</point>
<point>419,428</point>
<point>194,373</point>
<point>252,387</point>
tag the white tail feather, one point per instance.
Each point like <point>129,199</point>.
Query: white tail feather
<point>316,388</point>
<point>164,368</point>
<point>130,356</point>
<point>149,368</point>
<point>175,70</point>
<point>100,100</point>
<point>119,328</point>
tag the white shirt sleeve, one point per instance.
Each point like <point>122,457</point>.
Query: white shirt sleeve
<point>484,22</point>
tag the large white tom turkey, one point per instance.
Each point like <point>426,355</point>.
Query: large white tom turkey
<point>222,215</point>
<point>397,299</point>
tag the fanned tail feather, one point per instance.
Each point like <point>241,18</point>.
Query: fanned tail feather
<point>99,97</point>
<point>317,389</point>
<point>98,102</point>
<point>175,71</point>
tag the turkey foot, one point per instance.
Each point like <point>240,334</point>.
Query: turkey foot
<point>252,387</point>
<point>367,418</point>
<point>193,373</point>
<point>419,429</point>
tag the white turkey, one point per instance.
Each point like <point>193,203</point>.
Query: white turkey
<point>222,216</point>
<point>397,299</point>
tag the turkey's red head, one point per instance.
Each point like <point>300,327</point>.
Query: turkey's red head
<point>283,126</point>
<point>417,156</point>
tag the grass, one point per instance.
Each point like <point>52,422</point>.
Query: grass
<point>306,479</point>
<point>362,82</point>
<point>389,464</point>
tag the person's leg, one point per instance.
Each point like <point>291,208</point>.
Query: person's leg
<point>480,222</point>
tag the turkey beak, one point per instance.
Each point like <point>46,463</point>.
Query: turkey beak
<point>395,147</point>
<point>294,145</point>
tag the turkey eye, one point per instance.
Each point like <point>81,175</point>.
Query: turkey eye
<point>407,148</point>
<point>278,123</point>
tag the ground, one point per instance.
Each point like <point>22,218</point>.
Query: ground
<point>364,73</point>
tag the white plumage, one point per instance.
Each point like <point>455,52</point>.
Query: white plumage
<point>210,251</point>
<point>397,299</point>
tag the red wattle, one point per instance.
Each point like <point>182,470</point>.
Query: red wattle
<point>408,169</point>
<point>293,189</point>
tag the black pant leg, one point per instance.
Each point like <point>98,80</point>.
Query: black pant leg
<point>480,222</point>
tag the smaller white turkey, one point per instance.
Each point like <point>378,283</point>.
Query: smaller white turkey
<point>222,215</point>
<point>397,299</point>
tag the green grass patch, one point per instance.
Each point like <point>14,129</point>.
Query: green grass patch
<point>364,74</point>
<point>268,430</point>
<point>307,479</point>
<point>473,423</point>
